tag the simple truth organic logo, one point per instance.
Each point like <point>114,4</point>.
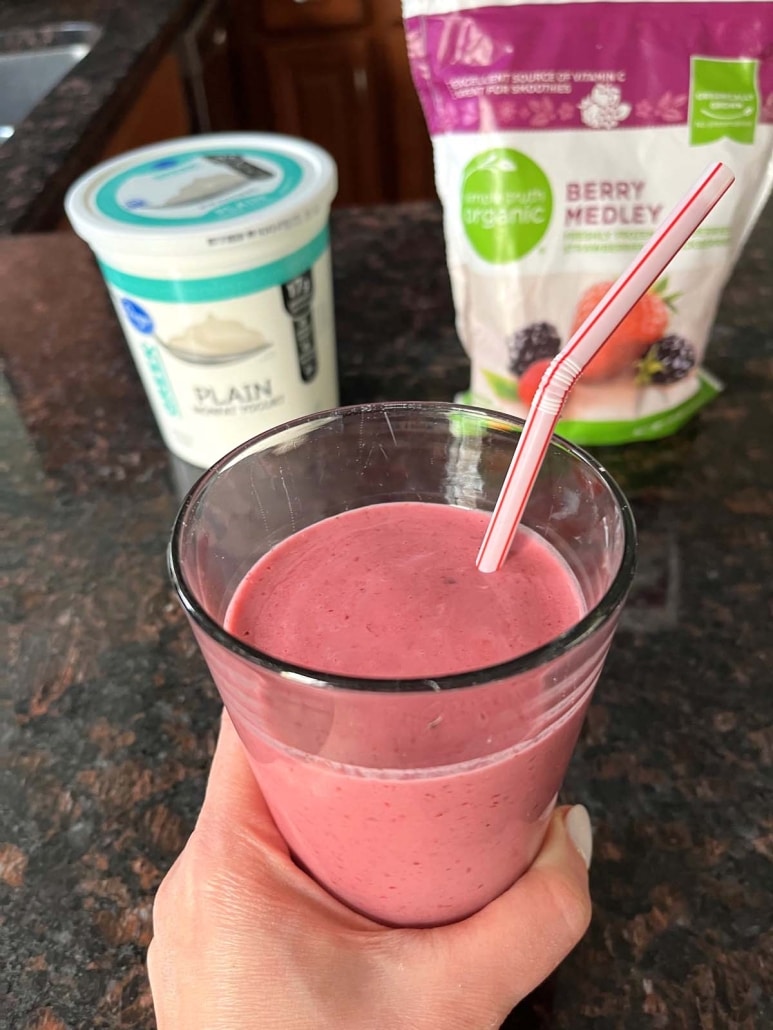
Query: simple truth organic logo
<point>506,205</point>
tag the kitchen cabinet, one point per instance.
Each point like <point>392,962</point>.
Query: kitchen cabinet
<point>159,112</point>
<point>206,51</point>
<point>305,14</point>
<point>410,150</point>
<point>191,89</point>
<point>336,72</point>
<point>323,90</point>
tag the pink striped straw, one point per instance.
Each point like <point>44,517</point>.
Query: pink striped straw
<point>564,369</point>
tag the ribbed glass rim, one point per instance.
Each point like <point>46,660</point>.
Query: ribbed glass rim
<point>595,618</point>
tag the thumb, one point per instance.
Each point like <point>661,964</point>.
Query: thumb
<point>510,946</point>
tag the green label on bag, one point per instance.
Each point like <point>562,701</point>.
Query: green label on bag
<point>619,431</point>
<point>724,100</point>
<point>506,204</point>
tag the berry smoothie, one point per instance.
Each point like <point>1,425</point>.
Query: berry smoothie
<point>414,807</point>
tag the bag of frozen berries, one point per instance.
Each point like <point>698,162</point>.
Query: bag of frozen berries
<point>563,133</point>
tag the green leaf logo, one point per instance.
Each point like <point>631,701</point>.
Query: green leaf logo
<point>506,205</point>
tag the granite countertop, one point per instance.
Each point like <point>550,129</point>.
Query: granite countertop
<point>64,135</point>
<point>108,716</point>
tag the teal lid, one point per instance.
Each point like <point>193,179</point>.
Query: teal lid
<point>216,190</point>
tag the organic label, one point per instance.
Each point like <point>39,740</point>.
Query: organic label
<point>506,205</point>
<point>724,100</point>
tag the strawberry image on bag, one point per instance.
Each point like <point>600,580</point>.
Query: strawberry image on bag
<point>563,133</point>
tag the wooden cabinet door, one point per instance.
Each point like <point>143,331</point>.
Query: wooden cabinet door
<point>325,91</point>
<point>159,112</point>
<point>336,72</point>
<point>312,14</point>
<point>208,49</point>
<point>410,164</point>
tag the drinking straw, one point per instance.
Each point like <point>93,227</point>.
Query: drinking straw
<point>563,371</point>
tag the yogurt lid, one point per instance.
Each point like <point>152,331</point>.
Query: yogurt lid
<point>202,192</point>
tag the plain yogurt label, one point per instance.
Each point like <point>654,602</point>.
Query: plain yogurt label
<point>220,371</point>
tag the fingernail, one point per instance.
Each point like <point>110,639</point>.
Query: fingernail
<point>578,827</point>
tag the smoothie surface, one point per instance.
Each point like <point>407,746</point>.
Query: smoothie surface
<point>391,591</point>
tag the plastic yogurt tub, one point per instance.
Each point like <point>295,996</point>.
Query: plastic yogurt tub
<point>215,250</point>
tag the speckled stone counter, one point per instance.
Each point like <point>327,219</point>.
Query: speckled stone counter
<point>108,714</point>
<point>66,132</point>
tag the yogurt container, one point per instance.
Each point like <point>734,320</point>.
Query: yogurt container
<point>216,252</point>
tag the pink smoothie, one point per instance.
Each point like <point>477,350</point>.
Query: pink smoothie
<point>414,808</point>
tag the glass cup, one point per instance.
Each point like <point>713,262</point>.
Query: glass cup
<point>415,802</point>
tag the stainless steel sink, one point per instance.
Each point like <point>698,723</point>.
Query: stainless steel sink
<point>33,62</point>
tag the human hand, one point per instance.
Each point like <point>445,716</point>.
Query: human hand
<point>243,938</point>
